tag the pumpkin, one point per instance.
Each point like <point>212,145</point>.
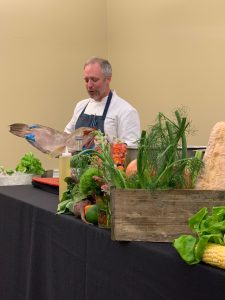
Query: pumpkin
<point>131,168</point>
<point>212,176</point>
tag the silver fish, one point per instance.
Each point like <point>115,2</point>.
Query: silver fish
<point>52,141</point>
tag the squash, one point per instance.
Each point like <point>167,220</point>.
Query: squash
<point>212,176</point>
<point>131,168</point>
<point>91,213</point>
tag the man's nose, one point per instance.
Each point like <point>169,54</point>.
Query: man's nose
<point>90,83</point>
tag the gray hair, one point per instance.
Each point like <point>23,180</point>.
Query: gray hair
<point>104,64</point>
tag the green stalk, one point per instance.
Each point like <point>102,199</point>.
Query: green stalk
<point>172,146</point>
<point>141,157</point>
<point>181,123</point>
<point>169,167</point>
<point>198,156</point>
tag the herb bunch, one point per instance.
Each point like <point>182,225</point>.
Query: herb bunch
<point>162,160</point>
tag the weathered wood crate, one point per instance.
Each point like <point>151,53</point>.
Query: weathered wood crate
<point>157,216</point>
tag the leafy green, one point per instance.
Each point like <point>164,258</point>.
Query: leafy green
<point>207,228</point>
<point>196,220</point>
<point>185,245</point>
<point>72,192</point>
<point>65,207</point>
<point>5,171</point>
<point>30,164</point>
<point>88,185</point>
<point>71,196</point>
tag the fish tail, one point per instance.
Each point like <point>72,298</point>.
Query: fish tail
<point>19,129</point>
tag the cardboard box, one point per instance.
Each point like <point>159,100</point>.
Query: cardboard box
<point>157,216</point>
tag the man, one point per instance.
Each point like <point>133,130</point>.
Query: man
<point>105,110</point>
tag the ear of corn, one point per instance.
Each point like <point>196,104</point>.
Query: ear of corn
<point>214,255</point>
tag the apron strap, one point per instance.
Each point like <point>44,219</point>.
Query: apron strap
<point>107,105</point>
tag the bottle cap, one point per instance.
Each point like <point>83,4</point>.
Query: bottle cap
<point>78,138</point>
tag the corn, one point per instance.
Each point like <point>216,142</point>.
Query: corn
<point>214,255</point>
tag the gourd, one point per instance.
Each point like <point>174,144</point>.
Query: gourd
<point>212,176</point>
<point>131,168</point>
<point>91,213</point>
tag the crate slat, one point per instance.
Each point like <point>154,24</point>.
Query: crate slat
<point>157,216</point>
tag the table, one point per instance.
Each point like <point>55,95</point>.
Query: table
<point>46,256</point>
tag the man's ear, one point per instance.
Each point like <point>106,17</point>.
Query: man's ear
<point>109,78</point>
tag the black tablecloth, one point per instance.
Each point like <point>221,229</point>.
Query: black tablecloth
<point>49,256</point>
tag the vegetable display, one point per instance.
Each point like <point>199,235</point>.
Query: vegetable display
<point>162,163</point>
<point>93,171</point>
<point>207,242</point>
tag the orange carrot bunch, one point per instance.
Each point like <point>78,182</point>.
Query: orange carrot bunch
<point>118,153</point>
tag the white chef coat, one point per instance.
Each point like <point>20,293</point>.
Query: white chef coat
<point>122,120</point>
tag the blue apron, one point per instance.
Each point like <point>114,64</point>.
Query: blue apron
<point>93,121</point>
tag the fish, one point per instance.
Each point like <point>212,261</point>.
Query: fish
<point>51,141</point>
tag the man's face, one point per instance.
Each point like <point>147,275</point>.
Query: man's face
<point>96,84</point>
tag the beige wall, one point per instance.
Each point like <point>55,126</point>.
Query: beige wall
<point>168,53</point>
<point>43,45</point>
<point>165,53</point>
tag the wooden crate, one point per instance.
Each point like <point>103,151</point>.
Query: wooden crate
<point>157,216</point>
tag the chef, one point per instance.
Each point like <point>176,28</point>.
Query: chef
<point>105,110</point>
